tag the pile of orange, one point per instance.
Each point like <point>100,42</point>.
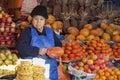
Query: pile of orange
<point>108,74</point>
<point>97,45</point>
<point>116,51</point>
<point>73,51</point>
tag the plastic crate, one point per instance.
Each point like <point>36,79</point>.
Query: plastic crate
<point>76,78</point>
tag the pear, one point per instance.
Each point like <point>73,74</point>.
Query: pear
<point>14,62</point>
<point>10,57</point>
<point>8,62</point>
<point>2,56</point>
<point>7,52</point>
<point>1,62</point>
<point>14,56</point>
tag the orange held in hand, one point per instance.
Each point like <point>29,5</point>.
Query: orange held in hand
<point>56,51</point>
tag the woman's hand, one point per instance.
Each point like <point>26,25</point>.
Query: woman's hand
<point>42,51</point>
<point>53,56</point>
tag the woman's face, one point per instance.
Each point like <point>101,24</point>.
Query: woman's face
<point>38,22</point>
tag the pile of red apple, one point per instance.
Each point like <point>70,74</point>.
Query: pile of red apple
<point>7,29</point>
<point>92,63</point>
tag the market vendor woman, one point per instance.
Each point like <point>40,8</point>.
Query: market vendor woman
<point>36,38</point>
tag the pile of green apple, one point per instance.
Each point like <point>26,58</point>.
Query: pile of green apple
<point>7,57</point>
<point>92,63</point>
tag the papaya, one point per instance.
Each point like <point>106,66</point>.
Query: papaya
<point>87,26</point>
<point>100,31</point>
<point>84,32</point>
<point>90,37</point>
<point>116,38</point>
<point>103,25</point>
<point>81,37</point>
<point>106,36</point>
<point>73,30</point>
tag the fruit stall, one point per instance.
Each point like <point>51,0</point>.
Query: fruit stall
<point>88,29</point>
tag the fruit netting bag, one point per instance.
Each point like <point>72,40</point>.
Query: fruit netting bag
<point>62,75</point>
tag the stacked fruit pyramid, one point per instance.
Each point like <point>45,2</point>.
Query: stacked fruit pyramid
<point>7,29</point>
<point>73,51</point>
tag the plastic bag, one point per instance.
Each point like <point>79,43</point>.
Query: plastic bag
<point>28,5</point>
<point>62,75</point>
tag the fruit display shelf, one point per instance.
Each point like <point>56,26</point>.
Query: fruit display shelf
<point>7,46</point>
<point>8,77</point>
<point>69,61</point>
<point>115,62</point>
<point>80,74</point>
